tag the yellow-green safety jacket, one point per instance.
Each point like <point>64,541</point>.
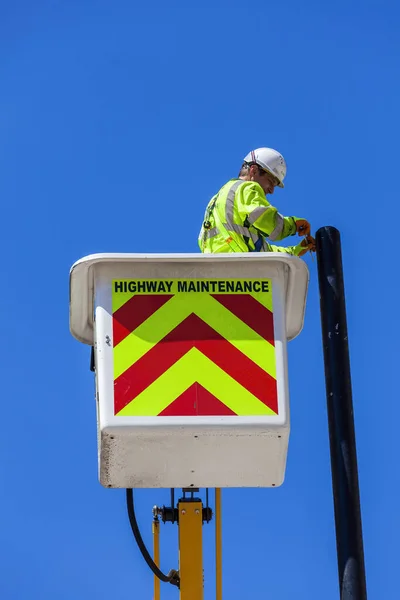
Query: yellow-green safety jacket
<point>239,217</point>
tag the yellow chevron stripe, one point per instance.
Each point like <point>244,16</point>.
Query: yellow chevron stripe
<point>166,318</point>
<point>191,368</point>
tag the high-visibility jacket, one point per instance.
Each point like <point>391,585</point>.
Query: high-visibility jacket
<point>239,217</point>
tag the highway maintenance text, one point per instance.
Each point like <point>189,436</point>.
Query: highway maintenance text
<point>176,286</point>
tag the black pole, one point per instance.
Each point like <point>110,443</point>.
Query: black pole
<point>346,495</point>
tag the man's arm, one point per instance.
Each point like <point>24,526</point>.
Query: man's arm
<point>306,245</point>
<point>265,217</point>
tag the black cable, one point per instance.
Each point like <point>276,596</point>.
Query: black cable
<point>173,503</point>
<point>173,576</point>
<point>92,360</point>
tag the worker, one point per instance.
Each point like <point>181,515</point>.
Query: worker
<point>239,217</point>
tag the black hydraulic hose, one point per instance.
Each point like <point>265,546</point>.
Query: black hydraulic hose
<point>173,576</point>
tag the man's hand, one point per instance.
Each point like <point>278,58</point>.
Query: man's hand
<point>309,245</point>
<point>302,226</point>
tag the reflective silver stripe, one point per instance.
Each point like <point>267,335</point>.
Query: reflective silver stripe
<point>242,231</point>
<point>254,237</point>
<point>229,205</point>
<point>278,228</point>
<point>230,225</point>
<point>230,201</point>
<point>209,233</point>
<point>266,247</point>
<point>237,229</point>
<point>256,213</point>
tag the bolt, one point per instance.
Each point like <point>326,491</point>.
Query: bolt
<point>197,512</point>
<point>183,512</point>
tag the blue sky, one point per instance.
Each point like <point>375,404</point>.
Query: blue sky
<point>118,121</point>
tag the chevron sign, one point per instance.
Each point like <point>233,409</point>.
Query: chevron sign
<point>193,347</point>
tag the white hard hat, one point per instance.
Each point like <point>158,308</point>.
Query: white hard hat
<point>269,160</point>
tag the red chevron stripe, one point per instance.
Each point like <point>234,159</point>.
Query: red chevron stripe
<point>251,312</point>
<point>134,312</point>
<point>195,401</point>
<point>194,333</point>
